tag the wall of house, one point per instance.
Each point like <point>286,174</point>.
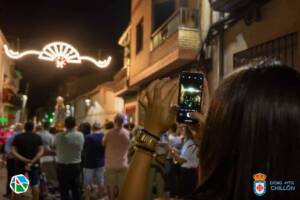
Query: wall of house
<point>104,105</point>
<point>1,64</point>
<point>279,18</point>
<point>10,83</point>
<point>140,9</point>
<point>1,74</point>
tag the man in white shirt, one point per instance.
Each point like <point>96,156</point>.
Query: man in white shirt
<point>68,146</point>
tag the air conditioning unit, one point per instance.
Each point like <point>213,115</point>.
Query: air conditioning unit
<point>230,5</point>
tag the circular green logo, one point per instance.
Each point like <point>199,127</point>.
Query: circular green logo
<point>19,184</point>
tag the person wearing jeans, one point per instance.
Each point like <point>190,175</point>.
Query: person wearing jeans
<point>69,179</point>
<point>93,163</point>
<point>68,146</point>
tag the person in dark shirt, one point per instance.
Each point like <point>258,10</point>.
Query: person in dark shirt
<point>27,148</point>
<point>93,163</point>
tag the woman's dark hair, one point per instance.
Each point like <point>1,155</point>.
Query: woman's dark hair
<point>253,126</point>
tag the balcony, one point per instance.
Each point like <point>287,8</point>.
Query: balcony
<point>183,19</point>
<point>174,44</point>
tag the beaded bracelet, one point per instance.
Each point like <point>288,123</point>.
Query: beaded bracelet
<point>146,139</point>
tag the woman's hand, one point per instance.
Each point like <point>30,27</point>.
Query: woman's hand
<point>159,114</point>
<point>197,129</point>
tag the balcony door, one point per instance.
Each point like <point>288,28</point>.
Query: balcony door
<point>162,10</point>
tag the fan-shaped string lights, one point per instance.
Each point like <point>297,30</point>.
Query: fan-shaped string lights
<point>59,52</point>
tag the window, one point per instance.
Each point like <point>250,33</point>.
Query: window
<point>139,36</point>
<point>284,49</point>
<point>161,11</point>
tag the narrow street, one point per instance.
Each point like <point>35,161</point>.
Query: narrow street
<point>150,99</point>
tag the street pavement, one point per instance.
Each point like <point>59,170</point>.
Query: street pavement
<point>3,186</point>
<point>2,180</point>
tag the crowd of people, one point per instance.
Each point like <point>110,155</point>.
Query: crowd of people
<point>83,160</point>
<point>250,126</point>
<point>92,160</point>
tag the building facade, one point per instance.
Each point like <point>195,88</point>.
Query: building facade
<point>275,36</point>
<point>163,38</point>
<point>11,103</point>
<point>258,29</point>
<point>98,105</point>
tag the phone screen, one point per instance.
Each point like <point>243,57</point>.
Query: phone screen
<point>189,96</point>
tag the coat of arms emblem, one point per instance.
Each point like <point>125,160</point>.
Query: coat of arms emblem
<point>259,184</point>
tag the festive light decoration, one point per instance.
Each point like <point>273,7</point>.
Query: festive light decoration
<point>59,52</point>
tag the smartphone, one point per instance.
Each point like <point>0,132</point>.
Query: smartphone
<point>189,96</point>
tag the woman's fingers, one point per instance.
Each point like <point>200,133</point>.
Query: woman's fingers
<point>143,104</point>
<point>171,93</point>
<point>174,108</point>
<point>142,100</point>
<point>158,89</point>
<point>199,127</point>
<point>172,114</point>
<point>198,116</point>
<point>150,91</point>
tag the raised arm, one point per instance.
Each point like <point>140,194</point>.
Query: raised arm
<point>158,118</point>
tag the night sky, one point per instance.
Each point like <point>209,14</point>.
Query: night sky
<point>87,25</point>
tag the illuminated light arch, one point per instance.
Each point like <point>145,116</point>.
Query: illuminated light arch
<point>59,52</point>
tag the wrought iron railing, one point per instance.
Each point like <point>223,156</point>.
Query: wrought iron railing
<point>182,18</point>
<point>283,49</point>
